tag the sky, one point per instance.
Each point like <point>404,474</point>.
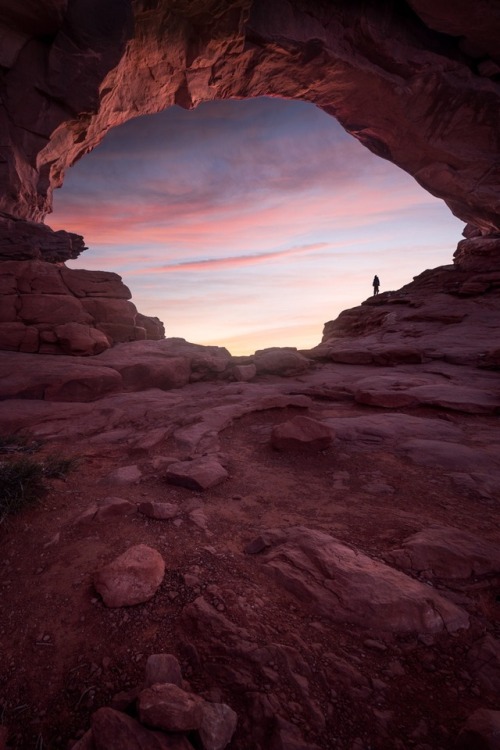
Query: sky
<point>249,224</point>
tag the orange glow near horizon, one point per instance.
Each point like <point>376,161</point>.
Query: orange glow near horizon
<point>249,224</point>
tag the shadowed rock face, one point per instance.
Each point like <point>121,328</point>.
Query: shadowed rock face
<point>416,82</point>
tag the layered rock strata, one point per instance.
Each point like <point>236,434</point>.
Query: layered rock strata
<point>47,308</point>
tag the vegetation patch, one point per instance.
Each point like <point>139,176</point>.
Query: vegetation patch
<point>18,444</point>
<point>21,483</point>
<point>22,479</point>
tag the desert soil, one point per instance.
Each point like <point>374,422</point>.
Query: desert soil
<point>64,653</point>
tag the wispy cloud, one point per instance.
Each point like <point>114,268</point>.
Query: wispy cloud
<point>249,219</point>
<point>216,264</point>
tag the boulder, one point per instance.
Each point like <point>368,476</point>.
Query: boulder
<point>146,364</point>
<point>277,361</point>
<point>218,725</point>
<point>153,326</point>
<point>124,475</point>
<point>244,373</point>
<point>166,706</point>
<point>344,585</point>
<point>163,668</point>
<point>446,552</point>
<point>198,474</point>
<point>80,340</point>
<point>114,729</point>
<point>301,432</point>
<point>132,578</point>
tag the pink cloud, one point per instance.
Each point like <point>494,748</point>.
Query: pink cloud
<point>201,225</point>
<point>233,262</point>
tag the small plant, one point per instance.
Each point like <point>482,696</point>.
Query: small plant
<point>21,483</point>
<point>18,444</point>
<point>56,468</point>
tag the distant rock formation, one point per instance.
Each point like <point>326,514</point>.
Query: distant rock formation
<point>50,309</point>
<point>448,313</point>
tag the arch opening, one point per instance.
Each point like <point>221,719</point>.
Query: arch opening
<point>249,223</point>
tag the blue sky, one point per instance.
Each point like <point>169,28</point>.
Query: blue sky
<point>249,223</point>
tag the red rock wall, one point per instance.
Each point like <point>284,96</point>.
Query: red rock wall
<point>416,82</point>
<point>52,309</point>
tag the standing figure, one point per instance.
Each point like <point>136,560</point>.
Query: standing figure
<point>375,284</point>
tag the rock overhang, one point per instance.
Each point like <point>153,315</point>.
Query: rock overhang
<point>416,83</point>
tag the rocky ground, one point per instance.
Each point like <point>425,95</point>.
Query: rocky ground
<point>334,580</point>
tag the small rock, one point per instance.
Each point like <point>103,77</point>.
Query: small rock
<point>301,432</point>
<point>199,474</point>
<point>163,668</point>
<point>218,725</point>
<point>132,578</point>
<point>199,518</point>
<point>166,706</point>
<point>160,511</point>
<point>160,463</point>
<point>124,475</point>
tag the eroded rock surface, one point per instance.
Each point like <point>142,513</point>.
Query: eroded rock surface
<point>412,60</point>
<point>448,313</point>
<point>345,585</point>
<point>440,552</point>
<point>50,309</point>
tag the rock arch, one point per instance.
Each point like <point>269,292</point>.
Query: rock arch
<point>417,83</point>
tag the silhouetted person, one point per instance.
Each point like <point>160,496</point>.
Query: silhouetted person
<point>376,284</point>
